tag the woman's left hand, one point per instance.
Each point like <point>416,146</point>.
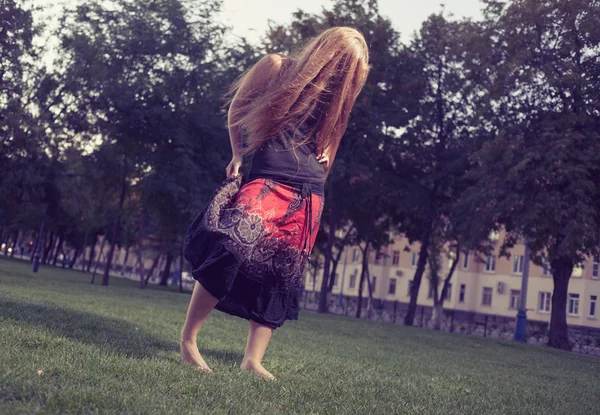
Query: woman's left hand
<point>323,159</point>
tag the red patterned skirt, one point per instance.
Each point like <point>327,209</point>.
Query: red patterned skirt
<point>249,247</point>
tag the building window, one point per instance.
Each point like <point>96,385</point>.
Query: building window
<point>544,302</point>
<point>486,299</point>
<point>448,293</point>
<point>465,261</point>
<point>377,258</point>
<point>392,286</point>
<point>355,255</point>
<point>515,299</point>
<point>596,267</point>
<point>546,267</point>
<point>462,293</point>
<point>490,265</point>
<point>413,259</point>
<point>396,258</point>
<point>373,283</point>
<point>353,280</point>
<point>410,286</point>
<point>573,305</point>
<point>518,264</point>
<point>335,279</point>
<point>593,301</point>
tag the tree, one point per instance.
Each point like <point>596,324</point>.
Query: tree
<point>437,253</point>
<point>431,157</point>
<point>538,175</point>
<point>21,154</point>
<point>146,79</point>
<point>380,105</point>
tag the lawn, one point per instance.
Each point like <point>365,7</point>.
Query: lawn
<point>70,347</point>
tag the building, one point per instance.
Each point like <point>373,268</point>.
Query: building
<point>492,286</point>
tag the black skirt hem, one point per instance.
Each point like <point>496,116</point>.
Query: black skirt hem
<point>220,276</point>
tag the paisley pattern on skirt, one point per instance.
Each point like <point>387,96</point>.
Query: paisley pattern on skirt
<point>246,248</point>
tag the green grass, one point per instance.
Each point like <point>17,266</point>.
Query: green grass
<point>69,347</point>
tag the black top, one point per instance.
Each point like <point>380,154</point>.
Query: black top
<point>278,159</point>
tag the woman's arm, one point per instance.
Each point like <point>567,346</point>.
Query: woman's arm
<point>254,82</point>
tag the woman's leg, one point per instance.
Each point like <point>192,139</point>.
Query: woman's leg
<point>201,304</point>
<point>258,340</point>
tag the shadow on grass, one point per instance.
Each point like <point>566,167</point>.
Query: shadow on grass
<point>116,335</point>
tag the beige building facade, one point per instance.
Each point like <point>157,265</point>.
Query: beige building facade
<point>489,285</point>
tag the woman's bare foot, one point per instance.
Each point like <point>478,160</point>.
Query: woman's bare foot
<point>257,369</point>
<point>191,355</point>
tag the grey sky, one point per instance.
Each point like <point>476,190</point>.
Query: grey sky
<point>250,18</point>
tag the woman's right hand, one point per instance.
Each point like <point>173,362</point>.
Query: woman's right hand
<point>233,168</point>
<point>324,160</point>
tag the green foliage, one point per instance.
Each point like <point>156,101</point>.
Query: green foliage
<point>142,83</point>
<point>538,171</point>
<point>430,157</point>
<point>356,183</point>
<point>21,158</point>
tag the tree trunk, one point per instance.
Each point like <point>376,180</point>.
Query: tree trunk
<point>83,248</point>
<point>363,274</point>
<point>140,239</point>
<point>332,276</point>
<point>107,267</point>
<point>58,249</point>
<point>438,308</point>
<point>35,245</point>
<point>315,269</point>
<point>47,249</point>
<point>323,305</point>
<point>414,292</point>
<point>75,255</point>
<point>98,258</point>
<point>138,269</point>
<point>165,275</point>
<point>144,281</point>
<point>65,256</point>
<point>181,270</point>
<point>360,297</point>
<point>125,261</point>
<point>92,254</point>
<point>558,336</point>
<point>39,242</point>
<point>116,225</point>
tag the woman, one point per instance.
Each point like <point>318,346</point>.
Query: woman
<point>249,245</point>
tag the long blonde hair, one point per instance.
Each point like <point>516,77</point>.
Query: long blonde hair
<point>318,84</point>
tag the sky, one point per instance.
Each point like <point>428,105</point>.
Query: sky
<point>250,18</point>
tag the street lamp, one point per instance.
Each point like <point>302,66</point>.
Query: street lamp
<point>521,325</point>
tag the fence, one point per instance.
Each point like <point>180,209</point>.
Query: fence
<point>583,340</point>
